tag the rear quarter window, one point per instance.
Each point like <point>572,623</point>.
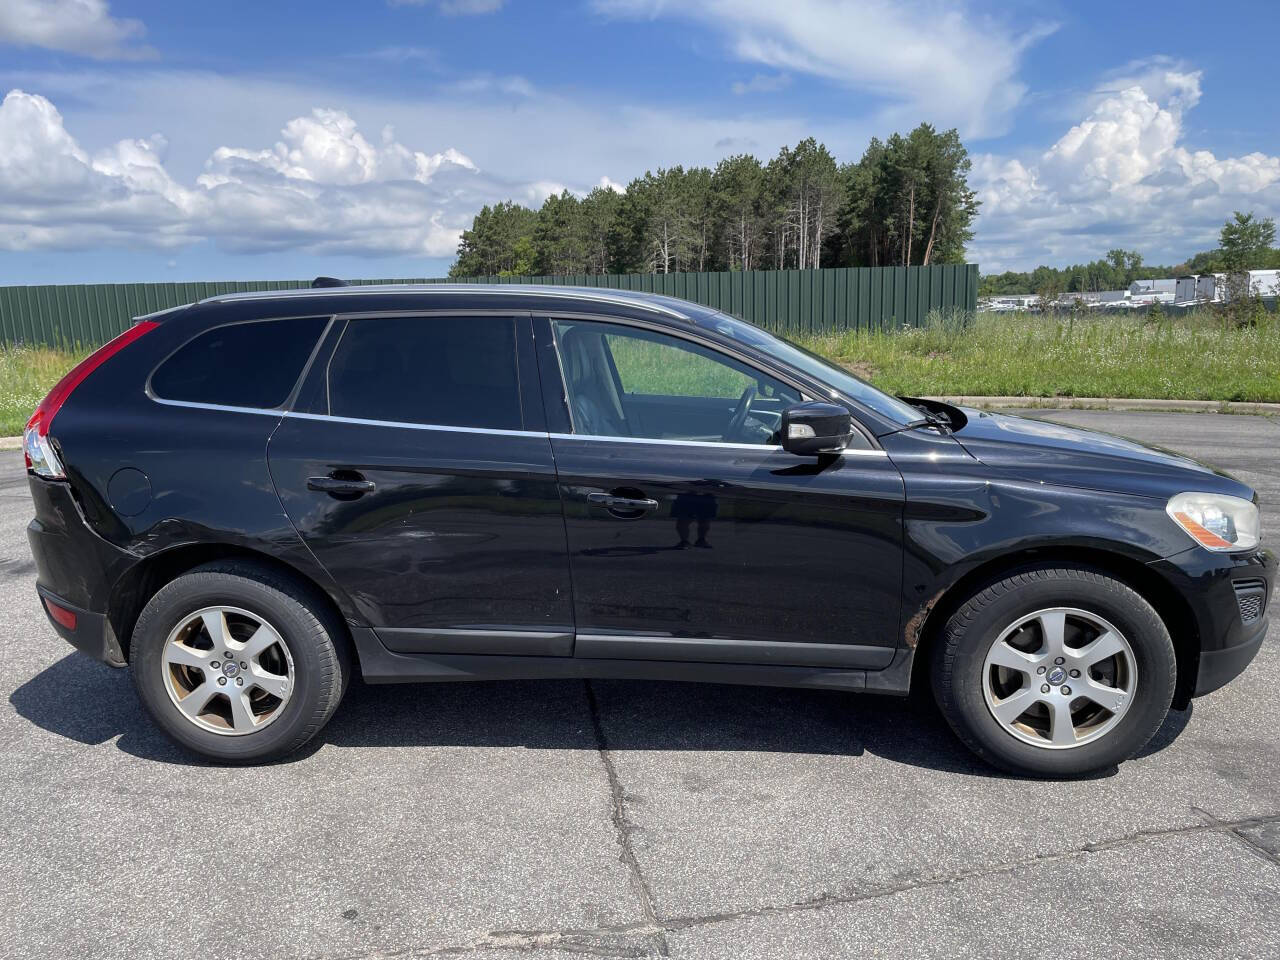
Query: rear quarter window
<point>250,364</point>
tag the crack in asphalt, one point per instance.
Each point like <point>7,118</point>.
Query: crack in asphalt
<point>1234,831</point>
<point>621,824</point>
<point>648,938</point>
<point>823,901</point>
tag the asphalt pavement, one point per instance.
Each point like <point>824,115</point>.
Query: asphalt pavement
<point>629,819</point>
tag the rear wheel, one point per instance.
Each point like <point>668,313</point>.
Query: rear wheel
<point>1055,671</point>
<point>238,662</point>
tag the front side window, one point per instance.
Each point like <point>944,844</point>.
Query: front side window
<point>446,371</point>
<point>898,411</point>
<point>254,364</point>
<point>628,382</point>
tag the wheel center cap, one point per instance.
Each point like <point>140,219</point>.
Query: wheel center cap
<point>231,668</point>
<point>1056,676</point>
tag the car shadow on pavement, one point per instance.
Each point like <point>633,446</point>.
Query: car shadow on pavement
<point>91,703</point>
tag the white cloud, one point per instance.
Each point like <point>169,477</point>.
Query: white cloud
<point>322,188</point>
<point>939,63</point>
<point>762,83</point>
<point>518,140</point>
<point>454,8</point>
<point>1122,176</point>
<point>84,27</point>
<point>327,148</point>
<point>323,163</point>
<point>53,192</point>
<point>1165,80</point>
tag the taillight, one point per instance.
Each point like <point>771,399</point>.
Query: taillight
<point>60,614</point>
<point>41,458</point>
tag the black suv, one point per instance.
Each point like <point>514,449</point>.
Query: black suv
<point>245,497</point>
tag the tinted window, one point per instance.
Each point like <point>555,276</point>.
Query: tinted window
<point>628,382</point>
<point>452,371</point>
<point>251,364</point>
<point>812,364</point>
<point>670,368</point>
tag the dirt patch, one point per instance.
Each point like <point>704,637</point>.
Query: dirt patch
<point>859,368</point>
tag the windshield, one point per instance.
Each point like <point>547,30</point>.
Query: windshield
<point>815,366</point>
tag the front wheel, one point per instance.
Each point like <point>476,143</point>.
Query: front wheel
<point>238,662</point>
<point>1055,671</point>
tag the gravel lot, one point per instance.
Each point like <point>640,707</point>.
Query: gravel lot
<point>629,819</point>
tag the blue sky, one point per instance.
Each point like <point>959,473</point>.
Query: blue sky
<point>184,141</point>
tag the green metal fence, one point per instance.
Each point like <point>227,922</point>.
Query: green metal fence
<point>788,301</point>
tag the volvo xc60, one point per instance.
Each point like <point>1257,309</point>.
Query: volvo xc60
<point>249,498</point>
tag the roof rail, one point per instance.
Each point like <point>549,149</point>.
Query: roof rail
<point>655,303</point>
<point>329,282</point>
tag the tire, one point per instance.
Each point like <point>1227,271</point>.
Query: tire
<point>308,649</point>
<point>971,683</point>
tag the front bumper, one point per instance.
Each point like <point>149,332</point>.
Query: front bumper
<point>1225,643</point>
<point>1220,667</point>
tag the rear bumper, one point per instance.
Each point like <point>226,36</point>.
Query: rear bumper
<point>74,570</point>
<point>90,634</point>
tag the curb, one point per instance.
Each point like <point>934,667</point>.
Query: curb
<point>10,443</point>
<point>1118,404</point>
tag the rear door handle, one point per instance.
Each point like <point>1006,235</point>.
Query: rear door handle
<point>622,504</point>
<point>341,486</point>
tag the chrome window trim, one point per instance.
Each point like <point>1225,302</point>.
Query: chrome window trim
<point>718,444</point>
<point>670,443</point>
<point>406,425</point>
<point>491,431</point>
<point>197,405</point>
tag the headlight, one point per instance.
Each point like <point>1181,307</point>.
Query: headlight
<point>1215,521</point>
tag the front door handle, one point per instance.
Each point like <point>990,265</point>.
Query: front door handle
<point>622,505</point>
<point>356,486</point>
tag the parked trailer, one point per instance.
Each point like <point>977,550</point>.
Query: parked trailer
<point>1264,283</point>
<point>1146,288</point>
<point>1184,290</point>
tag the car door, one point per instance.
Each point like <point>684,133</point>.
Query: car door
<point>418,470</point>
<point>692,535</point>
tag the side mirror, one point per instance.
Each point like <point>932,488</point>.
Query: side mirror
<point>809,429</point>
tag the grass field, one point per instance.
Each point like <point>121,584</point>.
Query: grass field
<point>26,375</point>
<point>1195,357</point>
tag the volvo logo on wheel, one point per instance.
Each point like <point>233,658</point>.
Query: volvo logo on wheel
<point>1056,676</point>
<point>231,668</point>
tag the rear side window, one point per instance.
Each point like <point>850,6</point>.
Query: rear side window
<point>450,371</point>
<point>252,364</point>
